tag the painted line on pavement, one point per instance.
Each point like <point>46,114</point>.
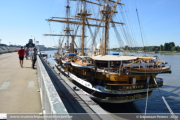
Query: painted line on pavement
<point>5,57</point>
<point>30,84</point>
<point>5,86</point>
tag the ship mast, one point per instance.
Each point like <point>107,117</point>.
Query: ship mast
<point>82,15</point>
<point>67,24</point>
<point>107,13</point>
<point>83,27</point>
<point>67,29</point>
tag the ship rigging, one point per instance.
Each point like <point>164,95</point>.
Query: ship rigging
<point>111,78</point>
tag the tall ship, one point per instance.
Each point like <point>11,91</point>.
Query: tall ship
<point>105,77</point>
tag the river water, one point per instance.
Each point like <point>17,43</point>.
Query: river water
<point>170,90</point>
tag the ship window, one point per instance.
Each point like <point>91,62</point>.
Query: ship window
<point>130,80</point>
<point>113,87</point>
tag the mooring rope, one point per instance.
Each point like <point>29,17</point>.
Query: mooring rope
<point>165,100</point>
<point>98,84</point>
<point>146,98</point>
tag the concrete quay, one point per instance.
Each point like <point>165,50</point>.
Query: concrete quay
<point>18,91</point>
<point>75,101</point>
<point>18,86</point>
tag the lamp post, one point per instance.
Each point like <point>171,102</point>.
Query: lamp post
<point>37,45</point>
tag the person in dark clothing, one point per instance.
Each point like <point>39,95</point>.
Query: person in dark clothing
<point>27,53</point>
<point>21,56</point>
<point>34,57</point>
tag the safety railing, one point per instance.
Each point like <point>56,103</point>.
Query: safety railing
<point>131,87</point>
<point>50,100</point>
<point>112,70</point>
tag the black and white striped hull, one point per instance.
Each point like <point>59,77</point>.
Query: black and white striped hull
<point>98,93</point>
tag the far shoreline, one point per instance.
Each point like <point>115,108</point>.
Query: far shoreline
<point>158,52</point>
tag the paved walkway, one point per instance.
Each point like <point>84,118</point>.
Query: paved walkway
<point>18,86</point>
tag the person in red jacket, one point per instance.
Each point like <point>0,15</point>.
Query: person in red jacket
<point>21,56</point>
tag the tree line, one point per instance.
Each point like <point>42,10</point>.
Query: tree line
<point>166,47</point>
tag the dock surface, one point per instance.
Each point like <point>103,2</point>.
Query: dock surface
<point>18,86</point>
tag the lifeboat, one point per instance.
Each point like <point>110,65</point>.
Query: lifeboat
<point>160,70</point>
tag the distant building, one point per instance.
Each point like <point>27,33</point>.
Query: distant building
<point>40,47</point>
<point>30,44</point>
<point>31,41</point>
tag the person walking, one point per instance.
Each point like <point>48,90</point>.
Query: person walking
<point>21,56</point>
<point>27,53</point>
<point>31,54</point>
<point>34,57</point>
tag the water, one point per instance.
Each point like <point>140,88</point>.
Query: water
<point>50,56</point>
<point>170,90</point>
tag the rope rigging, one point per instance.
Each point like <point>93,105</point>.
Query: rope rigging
<point>140,30</point>
<point>130,26</point>
<point>126,30</point>
<point>170,110</point>
<point>121,43</point>
<point>51,33</point>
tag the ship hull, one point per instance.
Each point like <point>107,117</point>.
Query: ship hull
<point>99,94</point>
<point>111,98</point>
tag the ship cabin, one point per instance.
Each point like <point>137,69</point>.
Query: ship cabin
<point>113,63</point>
<point>68,57</point>
<point>117,70</point>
